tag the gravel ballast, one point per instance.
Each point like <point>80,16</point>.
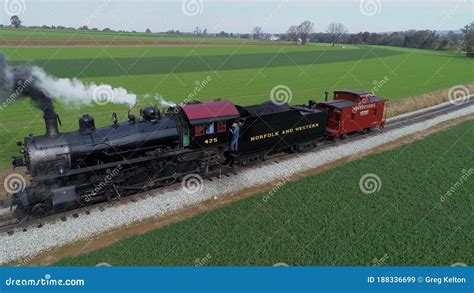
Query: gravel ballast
<point>36,240</point>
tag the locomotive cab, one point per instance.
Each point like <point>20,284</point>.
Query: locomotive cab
<point>209,123</point>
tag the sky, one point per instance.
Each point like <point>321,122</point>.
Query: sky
<point>274,16</point>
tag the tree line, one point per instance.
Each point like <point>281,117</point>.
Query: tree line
<point>425,39</point>
<point>337,34</point>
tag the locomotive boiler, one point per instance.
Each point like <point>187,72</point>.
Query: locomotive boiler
<point>64,166</point>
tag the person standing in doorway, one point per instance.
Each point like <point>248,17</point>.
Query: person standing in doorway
<point>234,143</point>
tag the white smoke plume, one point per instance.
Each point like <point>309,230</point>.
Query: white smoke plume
<point>160,99</point>
<point>164,102</point>
<point>73,92</point>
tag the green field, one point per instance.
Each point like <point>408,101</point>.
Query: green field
<point>326,219</point>
<point>29,34</point>
<point>244,74</point>
<point>199,62</point>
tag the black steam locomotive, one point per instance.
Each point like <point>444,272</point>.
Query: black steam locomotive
<point>93,164</point>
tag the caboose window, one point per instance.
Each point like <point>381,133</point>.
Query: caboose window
<point>221,127</point>
<point>375,112</point>
<point>198,130</point>
<point>352,116</point>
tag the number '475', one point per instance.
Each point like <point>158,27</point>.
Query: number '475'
<point>210,140</point>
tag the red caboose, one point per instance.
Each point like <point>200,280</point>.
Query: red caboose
<point>353,111</point>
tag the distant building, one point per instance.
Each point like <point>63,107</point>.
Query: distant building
<point>148,31</point>
<point>107,30</point>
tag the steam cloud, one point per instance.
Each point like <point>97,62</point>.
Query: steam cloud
<point>73,92</point>
<point>18,82</point>
<point>34,82</point>
<point>164,102</point>
<point>42,88</point>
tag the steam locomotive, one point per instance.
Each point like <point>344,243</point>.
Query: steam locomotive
<point>93,164</point>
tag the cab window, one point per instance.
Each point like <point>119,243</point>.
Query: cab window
<point>221,127</point>
<point>210,128</point>
<point>198,130</point>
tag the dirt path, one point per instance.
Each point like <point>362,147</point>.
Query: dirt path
<point>109,238</point>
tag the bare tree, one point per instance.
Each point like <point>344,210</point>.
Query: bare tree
<point>15,21</point>
<point>304,30</point>
<point>336,31</point>
<point>197,31</point>
<point>257,32</point>
<point>292,33</point>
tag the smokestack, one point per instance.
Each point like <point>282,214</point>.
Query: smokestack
<point>45,104</point>
<point>20,82</point>
<point>51,123</point>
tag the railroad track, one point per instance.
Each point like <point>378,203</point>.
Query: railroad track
<point>9,224</point>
